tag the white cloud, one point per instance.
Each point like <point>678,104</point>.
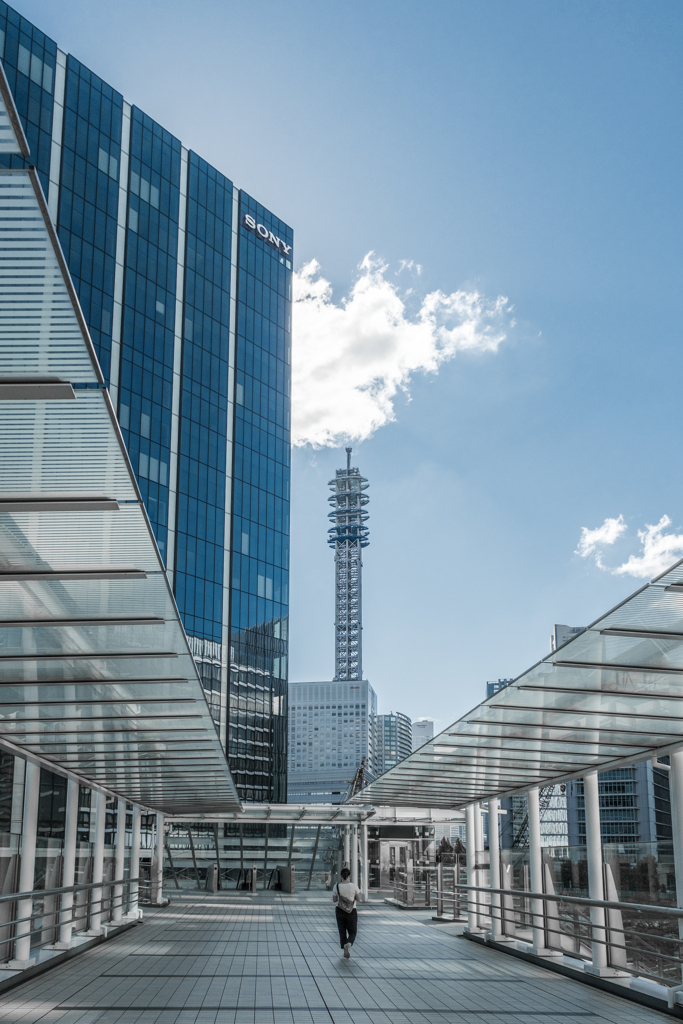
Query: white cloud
<point>592,541</point>
<point>351,359</point>
<point>659,549</point>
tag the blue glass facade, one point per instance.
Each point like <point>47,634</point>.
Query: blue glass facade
<point>185,283</point>
<point>261,473</point>
<point>88,197</point>
<point>148,322</point>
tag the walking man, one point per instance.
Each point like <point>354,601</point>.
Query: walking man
<point>345,894</point>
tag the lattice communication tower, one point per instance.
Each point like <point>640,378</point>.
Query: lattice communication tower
<point>348,536</point>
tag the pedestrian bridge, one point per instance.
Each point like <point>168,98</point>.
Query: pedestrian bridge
<point>271,958</point>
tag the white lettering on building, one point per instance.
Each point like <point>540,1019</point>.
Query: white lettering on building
<point>262,231</point>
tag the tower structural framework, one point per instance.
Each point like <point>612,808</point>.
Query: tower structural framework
<point>348,536</point>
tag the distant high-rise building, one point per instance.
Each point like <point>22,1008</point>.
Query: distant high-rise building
<point>394,740</point>
<point>331,731</point>
<point>423,730</point>
<point>494,685</point>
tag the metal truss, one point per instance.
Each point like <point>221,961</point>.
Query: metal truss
<point>348,536</point>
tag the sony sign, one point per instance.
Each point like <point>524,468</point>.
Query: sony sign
<point>267,236</point>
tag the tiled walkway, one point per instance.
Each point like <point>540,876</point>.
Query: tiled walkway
<point>274,959</point>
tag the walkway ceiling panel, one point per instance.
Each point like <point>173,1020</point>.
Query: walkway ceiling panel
<point>96,676</point>
<point>611,695</point>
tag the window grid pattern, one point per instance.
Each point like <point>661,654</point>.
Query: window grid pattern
<point>260,526</point>
<point>146,377</point>
<point>88,197</point>
<point>29,59</point>
<point>202,441</point>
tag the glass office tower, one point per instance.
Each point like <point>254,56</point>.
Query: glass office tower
<point>185,283</point>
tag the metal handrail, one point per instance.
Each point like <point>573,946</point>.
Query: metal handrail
<point>110,901</point>
<point>34,893</point>
<point>586,901</point>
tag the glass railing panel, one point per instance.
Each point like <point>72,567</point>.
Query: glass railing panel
<point>645,943</point>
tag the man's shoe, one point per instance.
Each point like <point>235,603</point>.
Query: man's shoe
<point>347,950</point>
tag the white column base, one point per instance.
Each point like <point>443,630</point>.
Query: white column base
<point>17,965</point>
<point>546,951</point>
<point>605,972</point>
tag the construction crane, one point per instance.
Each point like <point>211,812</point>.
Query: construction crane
<point>521,837</point>
<point>358,779</point>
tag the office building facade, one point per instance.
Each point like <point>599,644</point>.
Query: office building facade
<point>423,730</point>
<point>185,284</point>
<point>331,732</point>
<point>394,740</point>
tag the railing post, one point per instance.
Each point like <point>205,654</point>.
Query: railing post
<point>676,791</point>
<point>354,854</point>
<point>22,945</point>
<point>135,863</point>
<point>69,863</point>
<point>117,908</point>
<point>97,894</point>
<point>596,888</point>
<point>160,859</point>
<point>494,874</point>
<point>365,873</point>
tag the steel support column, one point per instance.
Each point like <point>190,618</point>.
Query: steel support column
<point>354,854</point>
<point>135,862</point>
<point>159,866</point>
<point>494,874</point>
<point>22,945</point>
<point>96,908</point>
<point>69,862</point>
<point>596,888</point>
<point>365,873</point>
<point>471,812</point>
<point>346,847</point>
<point>536,870</point>
<point>120,848</point>
<point>676,794</point>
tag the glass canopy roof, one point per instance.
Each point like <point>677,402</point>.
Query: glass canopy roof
<point>611,695</point>
<point>96,677</point>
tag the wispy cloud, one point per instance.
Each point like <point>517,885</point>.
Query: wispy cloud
<point>592,541</point>
<point>659,549</point>
<point>351,359</point>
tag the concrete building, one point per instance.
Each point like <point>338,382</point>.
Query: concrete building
<point>331,731</point>
<point>423,730</point>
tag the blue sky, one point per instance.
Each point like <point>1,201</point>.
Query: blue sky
<point>527,149</point>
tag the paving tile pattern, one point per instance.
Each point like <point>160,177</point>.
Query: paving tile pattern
<point>268,958</point>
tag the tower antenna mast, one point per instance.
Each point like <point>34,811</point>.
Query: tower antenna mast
<point>348,536</point>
